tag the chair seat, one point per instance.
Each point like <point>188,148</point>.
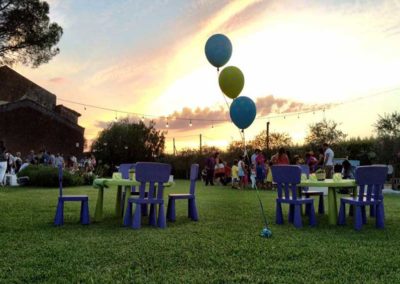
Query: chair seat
<point>313,192</point>
<point>181,196</point>
<point>145,200</point>
<point>295,201</point>
<point>355,201</point>
<point>74,198</point>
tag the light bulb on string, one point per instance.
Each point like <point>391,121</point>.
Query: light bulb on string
<point>116,116</point>
<point>84,107</point>
<point>298,116</point>
<point>142,118</point>
<point>190,123</point>
<point>167,124</point>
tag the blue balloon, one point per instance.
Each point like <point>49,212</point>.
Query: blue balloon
<point>218,50</point>
<point>242,112</point>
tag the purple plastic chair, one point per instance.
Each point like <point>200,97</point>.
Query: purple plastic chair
<point>371,180</point>
<point>305,169</point>
<point>84,199</point>
<point>155,175</point>
<point>287,178</point>
<point>124,170</point>
<point>192,209</point>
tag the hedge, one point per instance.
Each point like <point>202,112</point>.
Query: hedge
<point>46,176</point>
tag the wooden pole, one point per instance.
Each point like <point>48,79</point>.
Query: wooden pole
<point>267,137</point>
<point>200,144</point>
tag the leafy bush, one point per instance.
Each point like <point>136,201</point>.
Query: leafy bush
<point>46,176</point>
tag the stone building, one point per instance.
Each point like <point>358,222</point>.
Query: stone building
<point>30,119</point>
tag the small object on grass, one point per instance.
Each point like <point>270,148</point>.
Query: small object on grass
<point>266,233</point>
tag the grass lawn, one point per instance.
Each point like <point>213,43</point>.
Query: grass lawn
<point>224,246</point>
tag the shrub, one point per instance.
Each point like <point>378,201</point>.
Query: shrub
<point>46,176</point>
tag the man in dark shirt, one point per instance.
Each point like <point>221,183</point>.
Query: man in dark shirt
<point>210,165</point>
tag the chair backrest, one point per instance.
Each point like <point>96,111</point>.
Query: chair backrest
<point>286,177</point>
<point>305,169</point>
<point>124,169</point>
<point>194,174</point>
<point>60,180</point>
<point>152,173</point>
<point>371,180</point>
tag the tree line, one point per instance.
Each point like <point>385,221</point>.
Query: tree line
<point>127,140</point>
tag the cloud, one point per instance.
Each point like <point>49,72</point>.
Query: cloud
<point>200,118</point>
<point>57,80</point>
<point>205,117</point>
<point>101,124</point>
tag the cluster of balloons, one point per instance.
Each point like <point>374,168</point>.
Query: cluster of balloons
<point>218,51</point>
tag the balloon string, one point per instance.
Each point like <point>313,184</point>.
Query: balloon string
<point>262,208</point>
<point>258,194</point>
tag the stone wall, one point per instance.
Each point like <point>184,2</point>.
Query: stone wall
<point>26,125</point>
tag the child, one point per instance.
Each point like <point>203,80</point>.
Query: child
<point>253,176</point>
<point>204,174</point>
<point>241,172</point>
<point>269,176</point>
<point>235,174</point>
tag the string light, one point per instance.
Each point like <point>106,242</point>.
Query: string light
<point>126,147</point>
<point>322,107</point>
<point>167,124</point>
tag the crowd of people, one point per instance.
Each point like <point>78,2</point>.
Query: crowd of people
<point>256,170</point>
<point>13,163</point>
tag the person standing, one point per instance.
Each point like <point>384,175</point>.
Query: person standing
<point>254,157</point>
<point>328,160</point>
<point>3,162</point>
<point>280,158</point>
<point>210,166</point>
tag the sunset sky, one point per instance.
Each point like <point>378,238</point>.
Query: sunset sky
<point>148,57</point>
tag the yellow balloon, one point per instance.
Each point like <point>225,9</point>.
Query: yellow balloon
<point>231,81</point>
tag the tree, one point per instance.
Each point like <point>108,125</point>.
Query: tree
<point>276,140</point>
<point>126,141</point>
<point>324,131</point>
<point>388,141</point>
<point>26,34</point>
<point>388,125</point>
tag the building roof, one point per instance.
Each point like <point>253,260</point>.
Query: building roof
<point>14,87</point>
<point>27,103</point>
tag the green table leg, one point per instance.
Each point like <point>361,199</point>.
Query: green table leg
<point>355,191</point>
<point>332,206</point>
<point>98,215</point>
<point>127,195</point>
<point>118,212</point>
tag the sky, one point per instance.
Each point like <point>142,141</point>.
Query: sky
<point>341,58</point>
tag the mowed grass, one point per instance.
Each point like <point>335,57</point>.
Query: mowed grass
<point>223,247</point>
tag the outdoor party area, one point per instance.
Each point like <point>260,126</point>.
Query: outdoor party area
<point>159,161</point>
<point>224,245</point>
